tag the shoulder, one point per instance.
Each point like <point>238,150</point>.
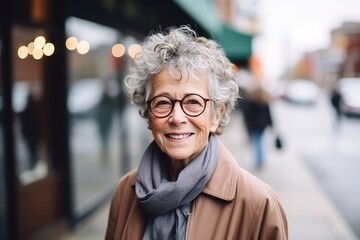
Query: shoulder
<point>129,178</point>
<point>123,206</point>
<point>229,181</point>
<point>126,184</point>
<point>250,184</point>
<point>262,203</point>
<point>257,199</point>
<point>124,193</point>
<point>251,189</point>
<point>247,186</point>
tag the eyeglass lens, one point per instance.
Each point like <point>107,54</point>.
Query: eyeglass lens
<point>192,105</point>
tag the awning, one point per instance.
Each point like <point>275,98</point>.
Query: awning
<point>203,12</point>
<point>237,45</point>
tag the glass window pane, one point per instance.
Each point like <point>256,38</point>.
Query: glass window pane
<point>107,135</point>
<point>29,105</point>
<point>94,104</point>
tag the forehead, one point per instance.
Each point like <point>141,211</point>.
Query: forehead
<point>179,83</point>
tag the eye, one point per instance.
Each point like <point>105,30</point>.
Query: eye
<point>161,102</point>
<point>193,101</point>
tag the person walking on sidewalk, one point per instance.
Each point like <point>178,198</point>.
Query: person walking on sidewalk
<point>257,117</point>
<point>188,185</point>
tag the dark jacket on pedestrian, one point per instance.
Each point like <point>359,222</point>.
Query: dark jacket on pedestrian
<point>256,109</point>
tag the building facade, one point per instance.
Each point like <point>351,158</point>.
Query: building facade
<point>65,137</point>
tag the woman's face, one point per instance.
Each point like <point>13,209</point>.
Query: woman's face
<point>180,136</point>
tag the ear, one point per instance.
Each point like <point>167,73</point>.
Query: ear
<point>219,112</point>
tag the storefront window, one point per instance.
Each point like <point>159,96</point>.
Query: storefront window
<point>29,107</point>
<point>95,103</point>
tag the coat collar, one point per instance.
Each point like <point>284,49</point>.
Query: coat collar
<point>222,183</point>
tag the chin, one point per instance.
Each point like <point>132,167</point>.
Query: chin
<point>179,157</point>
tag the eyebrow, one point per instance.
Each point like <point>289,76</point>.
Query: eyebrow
<point>167,94</point>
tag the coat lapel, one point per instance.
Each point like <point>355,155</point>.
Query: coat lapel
<point>222,183</point>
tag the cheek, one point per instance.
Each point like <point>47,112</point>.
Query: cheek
<point>209,122</point>
<point>202,124</point>
<point>156,125</point>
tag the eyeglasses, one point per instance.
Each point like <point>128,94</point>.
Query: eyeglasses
<point>192,105</point>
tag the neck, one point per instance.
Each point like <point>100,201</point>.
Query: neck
<point>175,167</point>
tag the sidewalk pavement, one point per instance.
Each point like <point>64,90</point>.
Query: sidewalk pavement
<point>311,213</point>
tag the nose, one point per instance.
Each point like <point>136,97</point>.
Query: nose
<point>177,116</point>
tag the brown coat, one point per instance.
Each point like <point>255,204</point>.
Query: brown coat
<point>233,205</point>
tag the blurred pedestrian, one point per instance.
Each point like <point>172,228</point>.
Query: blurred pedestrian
<point>257,117</point>
<point>335,99</point>
<point>104,117</point>
<point>30,127</point>
<point>188,185</point>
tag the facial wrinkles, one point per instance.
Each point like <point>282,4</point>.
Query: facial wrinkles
<point>199,127</point>
<point>199,143</point>
<point>201,131</point>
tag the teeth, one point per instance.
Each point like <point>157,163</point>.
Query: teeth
<point>181,136</point>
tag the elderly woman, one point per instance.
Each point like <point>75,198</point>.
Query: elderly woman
<point>188,185</point>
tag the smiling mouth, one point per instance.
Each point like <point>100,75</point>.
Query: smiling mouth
<point>178,136</point>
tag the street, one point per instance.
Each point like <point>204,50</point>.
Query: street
<point>331,151</point>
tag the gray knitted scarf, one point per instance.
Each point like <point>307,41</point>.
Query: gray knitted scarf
<point>161,197</point>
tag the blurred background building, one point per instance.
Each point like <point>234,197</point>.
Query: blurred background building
<point>338,60</point>
<point>64,135</point>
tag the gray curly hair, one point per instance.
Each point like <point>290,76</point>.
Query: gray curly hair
<point>180,49</point>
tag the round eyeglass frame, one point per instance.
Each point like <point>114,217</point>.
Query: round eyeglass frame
<point>173,101</point>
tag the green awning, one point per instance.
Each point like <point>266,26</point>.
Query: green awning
<point>203,12</point>
<point>237,45</point>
